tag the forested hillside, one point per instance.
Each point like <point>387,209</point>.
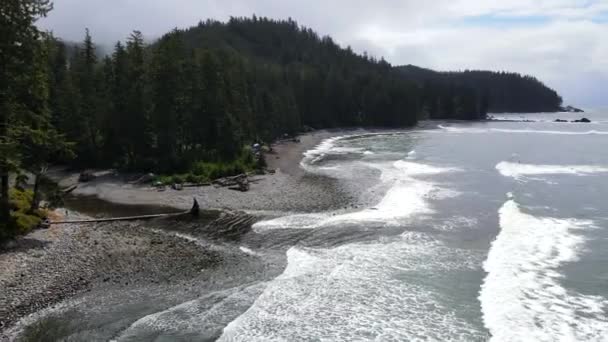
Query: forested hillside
<point>190,101</point>
<point>505,92</point>
<point>202,93</point>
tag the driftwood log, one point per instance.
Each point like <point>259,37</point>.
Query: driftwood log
<point>194,211</point>
<point>239,182</point>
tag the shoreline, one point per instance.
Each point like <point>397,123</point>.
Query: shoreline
<point>48,267</point>
<point>288,189</point>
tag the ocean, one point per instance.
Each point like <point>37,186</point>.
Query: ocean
<point>450,231</point>
<point>466,232</point>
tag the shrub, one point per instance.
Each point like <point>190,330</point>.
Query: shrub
<point>204,171</point>
<point>23,220</point>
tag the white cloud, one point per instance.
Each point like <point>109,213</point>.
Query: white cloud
<point>565,48</point>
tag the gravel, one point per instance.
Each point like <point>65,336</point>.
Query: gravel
<point>49,266</point>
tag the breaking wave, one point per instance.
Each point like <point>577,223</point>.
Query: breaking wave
<point>405,197</point>
<point>522,298</point>
<point>529,131</point>
<point>520,171</point>
<point>358,292</point>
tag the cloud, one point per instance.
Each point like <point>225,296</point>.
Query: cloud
<point>562,42</point>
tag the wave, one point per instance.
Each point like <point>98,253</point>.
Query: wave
<point>529,131</point>
<point>521,297</point>
<point>359,292</point>
<point>203,316</point>
<point>406,196</point>
<point>520,171</point>
<point>314,155</point>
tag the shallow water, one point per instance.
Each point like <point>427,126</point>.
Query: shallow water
<point>460,231</point>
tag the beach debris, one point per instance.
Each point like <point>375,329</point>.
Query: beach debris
<point>239,182</point>
<point>70,189</point>
<point>45,224</point>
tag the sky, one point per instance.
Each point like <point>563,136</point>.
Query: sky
<point>564,43</point>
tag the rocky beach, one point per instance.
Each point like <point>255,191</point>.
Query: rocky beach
<point>46,268</point>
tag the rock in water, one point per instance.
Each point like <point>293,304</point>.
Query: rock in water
<point>582,120</point>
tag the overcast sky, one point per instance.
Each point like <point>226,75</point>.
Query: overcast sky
<point>562,42</point>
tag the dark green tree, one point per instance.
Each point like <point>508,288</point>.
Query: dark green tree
<point>23,90</point>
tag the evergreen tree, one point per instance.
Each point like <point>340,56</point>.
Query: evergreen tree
<point>202,93</point>
<point>23,89</point>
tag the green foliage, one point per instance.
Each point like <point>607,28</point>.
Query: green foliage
<point>23,85</point>
<point>22,220</point>
<point>203,171</point>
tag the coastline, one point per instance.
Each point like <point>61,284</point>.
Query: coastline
<point>47,267</point>
<point>288,189</point>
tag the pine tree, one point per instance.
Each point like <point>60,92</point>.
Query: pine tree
<point>22,88</point>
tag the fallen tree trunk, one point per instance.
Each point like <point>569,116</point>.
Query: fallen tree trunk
<point>127,218</point>
<point>194,211</point>
<point>70,189</point>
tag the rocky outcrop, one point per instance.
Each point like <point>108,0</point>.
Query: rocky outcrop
<point>582,120</point>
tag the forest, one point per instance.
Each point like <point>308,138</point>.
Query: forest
<point>190,101</point>
<point>505,92</point>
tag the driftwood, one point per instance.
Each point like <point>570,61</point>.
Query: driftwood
<point>70,189</point>
<point>195,185</point>
<point>230,181</point>
<point>239,182</point>
<point>194,211</point>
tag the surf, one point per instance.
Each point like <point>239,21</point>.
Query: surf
<point>520,171</point>
<point>522,297</point>
<point>360,291</point>
<point>450,129</point>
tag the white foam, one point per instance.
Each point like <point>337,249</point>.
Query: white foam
<point>406,196</point>
<point>248,251</point>
<point>328,146</point>
<point>315,154</point>
<point>522,298</point>
<point>201,316</point>
<point>451,129</point>
<point>457,223</point>
<point>520,171</point>
<point>358,292</point>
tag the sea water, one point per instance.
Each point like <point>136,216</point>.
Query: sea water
<point>458,231</point>
<point>479,231</point>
